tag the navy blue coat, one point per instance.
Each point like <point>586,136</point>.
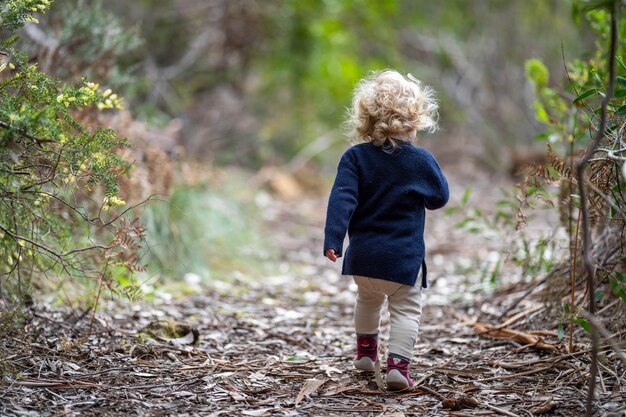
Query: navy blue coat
<point>380,198</point>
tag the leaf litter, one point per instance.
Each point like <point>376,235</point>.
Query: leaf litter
<point>282,346</point>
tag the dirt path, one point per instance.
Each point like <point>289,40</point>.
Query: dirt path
<point>282,346</point>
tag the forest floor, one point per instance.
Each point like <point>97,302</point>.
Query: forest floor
<point>282,345</point>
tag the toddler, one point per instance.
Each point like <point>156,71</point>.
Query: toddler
<point>384,184</point>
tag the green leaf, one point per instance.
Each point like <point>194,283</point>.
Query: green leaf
<point>463,223</point>
<point>537,72</point>
<point>598,296</point>
<point>583,323</point>
<point>597,77</point>
<point>542,136</point>
<point>494,274</point>
<point>466,195</point>
<point>559,331</point>
<point>540,112</point>
<point>585,95</point>
<point>620,93</point>
<point>590,5</point>
<point>576,12</point>
<point>566,307</point>
<point>617,289</point>
<point>297,358</point>
<point>621,111</point>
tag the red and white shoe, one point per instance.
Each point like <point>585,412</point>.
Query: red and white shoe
<point>398,377</point>
<point>366,353</point>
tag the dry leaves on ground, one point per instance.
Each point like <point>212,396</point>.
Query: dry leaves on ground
<point>282,346</point>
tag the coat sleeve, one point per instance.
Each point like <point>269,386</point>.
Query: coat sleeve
<point>435,186</point>
<point>341,203</point>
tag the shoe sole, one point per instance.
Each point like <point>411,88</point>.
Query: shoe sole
<point>364,364</point>
<point>396,382</point>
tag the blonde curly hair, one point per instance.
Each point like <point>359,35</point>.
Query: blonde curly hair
<point>387,107</point>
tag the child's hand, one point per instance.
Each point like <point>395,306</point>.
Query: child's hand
<point>331,254</point>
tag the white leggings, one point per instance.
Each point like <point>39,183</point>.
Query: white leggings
<point>405,310</point>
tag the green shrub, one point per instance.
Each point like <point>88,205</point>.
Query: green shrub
<point>58,177</point>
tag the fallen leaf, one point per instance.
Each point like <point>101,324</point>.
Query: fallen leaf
<point>459,403</point>
<point>328,370</point>
<point>237,396</point>
<point>188,339</point>
<point>545,408</point>
<point>379,378</point>
<point>257,413</point>
<point>308,388</point>
<point>184,394</point>
<point>72,365</point>
<point>172,331</point>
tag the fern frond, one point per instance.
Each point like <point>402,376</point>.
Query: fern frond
<point>559,165</point>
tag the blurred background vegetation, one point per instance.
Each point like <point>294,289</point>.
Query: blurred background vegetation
<point>254,82</point>
<point>210,84</point>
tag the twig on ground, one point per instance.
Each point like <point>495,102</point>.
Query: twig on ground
<point>553,359</point>
<point>512,352</point>
<point>431,391</point>
<point>500,410</point>
<point>525,373</point>
<point>51,383</point>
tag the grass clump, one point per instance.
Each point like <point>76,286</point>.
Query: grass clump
<point>213,232</point>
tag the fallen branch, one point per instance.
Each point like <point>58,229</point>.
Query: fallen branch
<point>525,373</point>
<point>554,359</point>
<point>513,335</point>
<point>52,383</point>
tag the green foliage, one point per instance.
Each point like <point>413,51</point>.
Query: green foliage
<point>208,231</point>
<point>533,254</point>
<point>58,177</point>
<point>572,112</point>
<point>258,81</point>
<point>319,54</point>
<point>92,43</point>
<point>617,284</point>
<point>15,13</point>
<point>571,116</point>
